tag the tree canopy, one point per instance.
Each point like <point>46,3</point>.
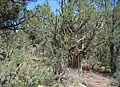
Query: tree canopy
<point>47,42</point>
<point>13,13</point>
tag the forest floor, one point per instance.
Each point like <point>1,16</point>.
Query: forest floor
<point>87,79</point>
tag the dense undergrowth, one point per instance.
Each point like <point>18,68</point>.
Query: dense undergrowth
<point>35,45</point>
<point>23,70</point>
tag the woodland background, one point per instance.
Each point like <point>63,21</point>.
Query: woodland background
<point>36,45</point>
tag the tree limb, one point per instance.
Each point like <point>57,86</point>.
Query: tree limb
<point>11,27</point>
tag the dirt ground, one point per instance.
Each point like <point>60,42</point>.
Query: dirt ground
<point>87,79</point>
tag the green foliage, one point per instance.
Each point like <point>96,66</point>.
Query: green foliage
<point>24,71</point>
<point>36,54</point>
<point>10,14</point>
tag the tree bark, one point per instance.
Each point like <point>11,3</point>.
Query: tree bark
<point>112,60</point>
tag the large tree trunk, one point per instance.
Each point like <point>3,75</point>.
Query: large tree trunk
<point>75,60</point>
<point>118,72</point>
<point>112,58</point>
<point>76,55</point>
<point>117,61</point>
